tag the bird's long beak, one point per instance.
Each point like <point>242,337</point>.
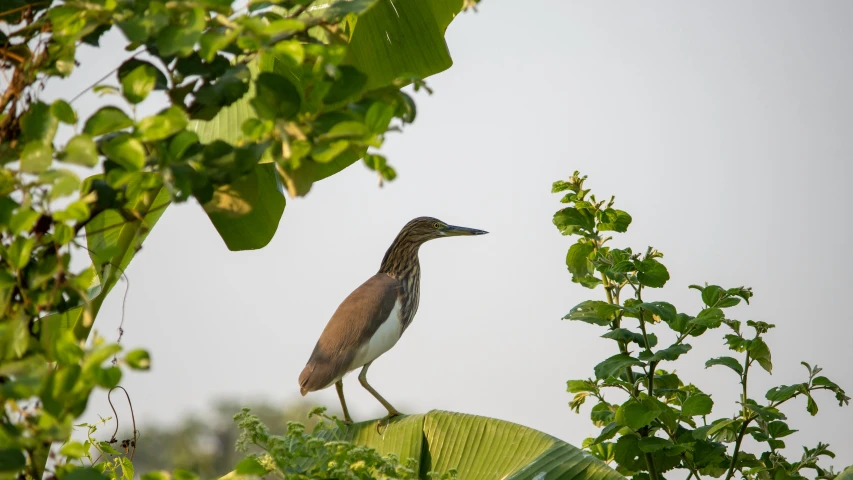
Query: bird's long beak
<point>453,231</point>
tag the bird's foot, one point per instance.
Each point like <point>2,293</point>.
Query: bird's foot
<point>386,420</point>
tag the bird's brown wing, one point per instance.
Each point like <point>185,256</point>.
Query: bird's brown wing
<point>353,324</point>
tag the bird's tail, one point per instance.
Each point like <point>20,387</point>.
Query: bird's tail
<point>304,377</point>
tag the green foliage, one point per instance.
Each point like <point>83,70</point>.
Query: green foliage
<point>310,99</point>
<point>414,446</point>
<point>665,423</point>
<point>301,455</point>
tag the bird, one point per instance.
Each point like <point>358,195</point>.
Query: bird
<point>374,316</point>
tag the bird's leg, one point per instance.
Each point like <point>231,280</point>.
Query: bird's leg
<point>392,412</point>
<point>339,386</point>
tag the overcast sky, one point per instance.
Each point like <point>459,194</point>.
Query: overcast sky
<point>723,127</point>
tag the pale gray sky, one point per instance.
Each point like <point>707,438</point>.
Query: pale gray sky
<point>723,127</point>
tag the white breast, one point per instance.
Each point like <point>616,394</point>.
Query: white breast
<point>381,341</point>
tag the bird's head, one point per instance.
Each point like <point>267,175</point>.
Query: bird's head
<point>422,229</point>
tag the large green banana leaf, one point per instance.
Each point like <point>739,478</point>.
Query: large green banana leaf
<point>477,447</point>
<point>847,474</point>
<point>392,39</point>
<point>112,242</point>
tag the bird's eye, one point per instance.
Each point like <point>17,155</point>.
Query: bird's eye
<point>436,225</point>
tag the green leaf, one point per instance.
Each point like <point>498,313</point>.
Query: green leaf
<point>572,221</point>
<point>255,129</point>
<point>247,212</point>
<point>636,415</point>
<point>825,382</point>
<point>576,386</point>
<point>847,474</point>
<point>138,359</point>
<point>727,361</point>
<point>75,211</point>
<point>379,116</point>
<point>594,311</point>
<point>349,129</point>
<point>709,318</point>
<point>137,83</point>
<point>73,450</point>
<point>159,475</point>
<point>336,10</point>
<point>126,468</point>
<point>560,186</point>
<point>113,241</point>
<point>625,335</point>
<point>708,453</point>
<point>779,429</point>
<point>669,353</point>
<point>602,414</point>
<point>398,39</point>
<point>125,151</point>
<point>23,220</point>
<point>250,466</point>
<point>784,392</point>
<point>108,377</point>
<point>276,97</point>
<point>440,441</point>
<point>628,454</point>
<point>653,444</point>
<point>212,41</point>
<point>614,365</point>
<point>761,353</point>
<point>652,273</point>
<point>697,405</point>
<point>349,83</point>
<point>18,253</point>
<point>65,182</point>
<point>12,460</point>
<point>63,112</point>
<point>85,473</point>
<point>228,89</point>
<point>716,427</point>
<point>663,310</point>
<point>811,405</point>
<point>179,40</point>
<point>619,222</point>
<point>712,294</point>
<point>578,261</point>
<point>163,125</point>
<point>81,150</point>
<point>608,432</point>
<point>107,120</point>
<point>328,151</point>
<point>38,124</point>
<point>766,413</point>
<point>138,78</point>
<point>36,157</point>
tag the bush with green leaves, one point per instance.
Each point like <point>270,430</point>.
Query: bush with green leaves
<point>663,423</point>
<point>317,455</point>
<point>269,98</point>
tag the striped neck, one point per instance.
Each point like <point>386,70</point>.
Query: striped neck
<point>401,259</point>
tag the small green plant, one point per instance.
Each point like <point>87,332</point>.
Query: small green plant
<point>663,422</point>
<point>317,455</point>
<point>99,455</point>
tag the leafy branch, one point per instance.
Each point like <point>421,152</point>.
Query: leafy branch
<point>657,426</point>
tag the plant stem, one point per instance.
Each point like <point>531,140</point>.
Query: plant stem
<point>623,347</point>
<point>651,466</point>
<point>746,417</point>
<point>740,436</point>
